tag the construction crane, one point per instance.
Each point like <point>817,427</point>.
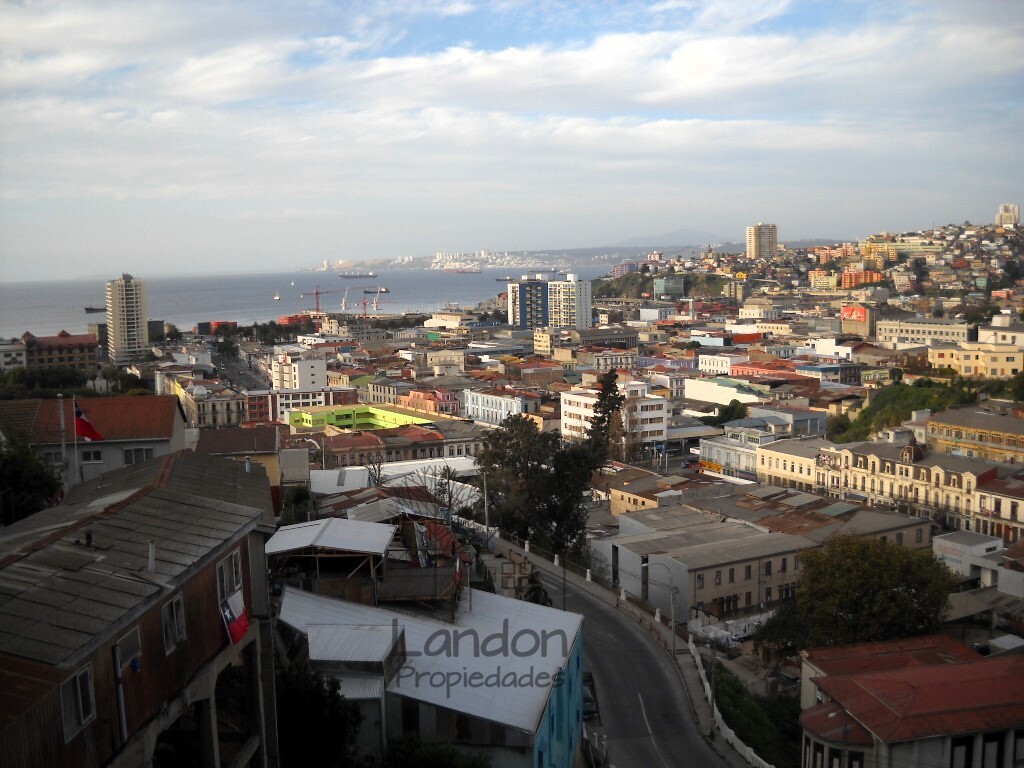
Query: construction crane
<point>344,301</point>
<point>317,293</point>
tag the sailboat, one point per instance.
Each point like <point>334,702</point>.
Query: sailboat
<point>277,295</point>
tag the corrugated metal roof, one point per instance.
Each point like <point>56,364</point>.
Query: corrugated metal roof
<point>57,594</point>
<point>485,614</point>
<point>353,642</point>
<point>356,688</point>
<point>839,508</point>
<point>333,533</point>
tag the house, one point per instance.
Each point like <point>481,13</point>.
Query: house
<point>132,430</point>
<point>508,686</point>
<point>134,621</point>
<point>936,708</point>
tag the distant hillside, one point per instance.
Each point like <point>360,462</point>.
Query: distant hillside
<point>676,239</point>
<point>791,244</point>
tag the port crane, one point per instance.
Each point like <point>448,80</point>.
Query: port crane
<point>317,293</point>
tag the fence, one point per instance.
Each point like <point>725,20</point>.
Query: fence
<point>727,733</point>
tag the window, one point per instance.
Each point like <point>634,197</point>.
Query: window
<point>76,702</point>
<point>768,568</point>
<point>700,581</point>
<point>174,623</point>
<point>229,575</point>
<point>718,577</point>
<point>747,572</point>
<point>92,456</point>
<point>918,536</point>
<point>137,455</point>
<point>732,575</point>
<point>129,647</point>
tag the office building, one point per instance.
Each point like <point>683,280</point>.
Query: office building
<point>127,329</point>
<point>762,241</point>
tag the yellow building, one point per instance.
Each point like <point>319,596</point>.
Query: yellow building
<point>978,359</point>
<point>979,432</point>
<point>937,485</point>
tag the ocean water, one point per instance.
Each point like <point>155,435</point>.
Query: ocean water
<point>46,308</point>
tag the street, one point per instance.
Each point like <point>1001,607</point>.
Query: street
<point>644,710</point>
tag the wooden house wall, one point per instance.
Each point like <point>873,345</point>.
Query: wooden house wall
<point>162,676</point>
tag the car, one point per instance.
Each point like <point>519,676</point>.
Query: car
<point>589,704</point>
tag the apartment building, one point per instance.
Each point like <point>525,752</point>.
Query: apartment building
<point>762,241</point>
<point>263,406</point>
<point>646,415</point>
<point>127,314</point>
<point>977,359</point>
<point>298,370</point>
<point>570,303</point>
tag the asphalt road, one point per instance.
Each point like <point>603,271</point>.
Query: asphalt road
<point>644,710</point>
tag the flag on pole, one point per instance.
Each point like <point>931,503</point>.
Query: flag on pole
<point>232,610</point>
<point>84,429</point>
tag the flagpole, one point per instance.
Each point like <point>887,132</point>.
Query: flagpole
<point>63,440</point>
<point>78,466</point>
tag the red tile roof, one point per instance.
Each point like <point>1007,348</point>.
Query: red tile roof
<point>929,650</point>
<point>147,417</point>
<point>925,702</point>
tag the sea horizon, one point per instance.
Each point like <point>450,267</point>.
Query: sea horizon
<point>46,307</point>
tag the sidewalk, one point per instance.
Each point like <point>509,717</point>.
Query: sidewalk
<point>689,676</point>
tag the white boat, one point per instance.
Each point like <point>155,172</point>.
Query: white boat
<point>277,296</point>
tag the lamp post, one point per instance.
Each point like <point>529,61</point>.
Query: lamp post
<point>671,602</point>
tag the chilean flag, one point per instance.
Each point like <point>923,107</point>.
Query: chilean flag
<point>84,429</point>
<point>232,610</point>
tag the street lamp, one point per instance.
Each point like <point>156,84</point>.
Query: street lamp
<point>671,602</point>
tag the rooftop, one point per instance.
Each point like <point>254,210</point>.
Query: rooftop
<point>78,570</point>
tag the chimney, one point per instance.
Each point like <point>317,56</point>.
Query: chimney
<point>248,464</point>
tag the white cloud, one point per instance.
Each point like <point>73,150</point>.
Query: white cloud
<point>308,113</point>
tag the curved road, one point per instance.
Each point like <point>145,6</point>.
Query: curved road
<point>644,710</point>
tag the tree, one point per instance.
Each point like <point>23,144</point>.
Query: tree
<point>535,486</point>
<point>28,484</point>
<point>317,727</point>
<point>609,403</point>
<point>860,590</point>
<point>733,411</point>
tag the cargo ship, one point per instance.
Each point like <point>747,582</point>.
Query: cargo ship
<point>357,275</point>
<point>94,310</point>
<point>381,289</point>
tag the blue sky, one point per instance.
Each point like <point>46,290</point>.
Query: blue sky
<point>174,136</point>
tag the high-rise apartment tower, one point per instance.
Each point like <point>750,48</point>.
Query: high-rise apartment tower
<point>127,329</point>
<point>762,241</point>
<point>540,303</point>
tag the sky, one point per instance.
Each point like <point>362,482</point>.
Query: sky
<point>171,136</point>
